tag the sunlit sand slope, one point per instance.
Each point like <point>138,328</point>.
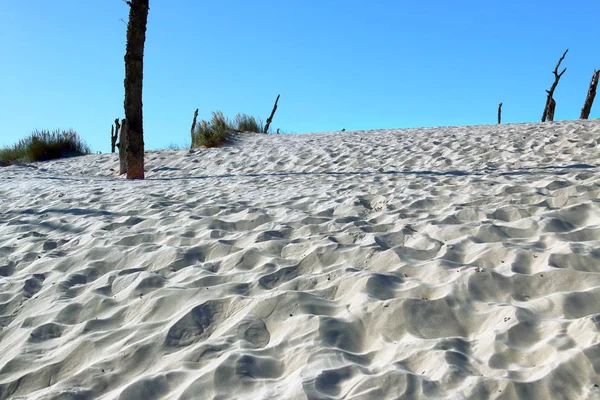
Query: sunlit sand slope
<point>438,263</point>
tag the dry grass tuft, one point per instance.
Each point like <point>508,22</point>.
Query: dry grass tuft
<point>45,145</point>
<point>215,132</point>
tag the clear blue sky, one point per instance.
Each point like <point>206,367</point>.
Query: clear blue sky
<point>336,63</point>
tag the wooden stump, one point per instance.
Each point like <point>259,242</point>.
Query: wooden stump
<point>500,113</point>
<point>589,99</point>
<point>134,68</point>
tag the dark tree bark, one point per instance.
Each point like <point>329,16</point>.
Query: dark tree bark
<point>115,136</point>
<point>270,119</point>
<point>549,98</point>
<point>134,73</point>
<point>500,113</point>
<point>123,141</point>
<point>193,128</point>
<point>551,108</point>
<point>589,100</point>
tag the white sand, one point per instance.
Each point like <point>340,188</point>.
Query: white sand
<point>459,262</point>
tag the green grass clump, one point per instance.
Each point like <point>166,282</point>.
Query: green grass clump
<point>215,132</point>
<point>11,154</point>
<point>246,123</point>
<point>45,145</point>
<point>211,133</point>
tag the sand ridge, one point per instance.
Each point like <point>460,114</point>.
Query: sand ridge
<point>450,262</point>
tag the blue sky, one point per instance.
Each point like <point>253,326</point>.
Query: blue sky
<point>337,64</point>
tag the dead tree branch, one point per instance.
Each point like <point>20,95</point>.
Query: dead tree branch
<point>549,98</point>
<point>113,138</point>
<point>270,119</point>
<point>193,128</point>
<point>589,99</point>
<point>500,113</point>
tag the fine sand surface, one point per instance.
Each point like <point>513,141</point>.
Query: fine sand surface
<point>438,263</point>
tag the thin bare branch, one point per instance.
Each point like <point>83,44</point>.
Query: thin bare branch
<point>270,119</point>
<point>194,128</point>
<point>558,64</point>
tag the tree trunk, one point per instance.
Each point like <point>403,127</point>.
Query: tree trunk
<point>270,119</point>
<point>551,108</point>
<point>194,128</point>
<point>134,72</point>
<point>500,113</point>
<point>589,100</point>
<point>122,146</point>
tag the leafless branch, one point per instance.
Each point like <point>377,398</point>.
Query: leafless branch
<point>555,72</point>
<point>270,119</point>
<point>194,127</point>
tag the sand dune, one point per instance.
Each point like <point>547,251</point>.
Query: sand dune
<point>438,263</point>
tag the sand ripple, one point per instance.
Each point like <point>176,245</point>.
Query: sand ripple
<point>457,262</point>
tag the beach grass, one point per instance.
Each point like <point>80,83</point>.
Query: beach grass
<point>214,132</point>
<point>46,145</point>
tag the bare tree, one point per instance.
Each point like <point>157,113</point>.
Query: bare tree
<point>500,113</point>
<point>194,128</point>
<point>270,119</point>
<point>549,99</point>
<point>134,73</point>
<point>589,99</point>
